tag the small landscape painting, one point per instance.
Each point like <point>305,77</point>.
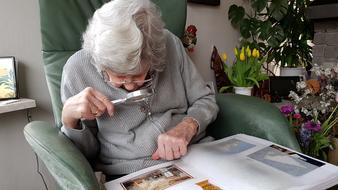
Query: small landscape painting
<point>8,86</point>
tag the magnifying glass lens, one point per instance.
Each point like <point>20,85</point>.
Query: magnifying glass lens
<point>136,96</point>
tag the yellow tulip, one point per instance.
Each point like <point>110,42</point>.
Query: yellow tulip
<point>224,57</point>
<point>257,54</point>
<point>248,51</point>
<point>242,57</point>
<point>254,52</point>
<point>242,50</point>
<point>242,54</point>
<point>236,51</point>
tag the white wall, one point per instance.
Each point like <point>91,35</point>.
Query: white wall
<point>213,28</point>
<point>20,37</point>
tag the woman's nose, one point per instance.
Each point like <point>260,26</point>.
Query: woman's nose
<point>130,86</point>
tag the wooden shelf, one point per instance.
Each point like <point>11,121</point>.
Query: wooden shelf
<point>16,104</point>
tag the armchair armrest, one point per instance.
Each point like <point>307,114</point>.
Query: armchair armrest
<point>252,116</point>
<point>64,161</point>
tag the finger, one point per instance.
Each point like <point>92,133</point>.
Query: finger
<point>168,147</point>
<point>183,150</point>
<point>109,105</point>
<point>97,106</point>
<point>87,102</point>
<point>88,111</point>
<point>155,156</point>
<point>87,115</point>
<point>95,97</point>
<point>160,146</point>
<point>95,111</point>
<point>105,101</point>
<point>176,152</point>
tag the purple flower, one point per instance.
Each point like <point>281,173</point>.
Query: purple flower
<point>287,109</point>
<point>305,137</point>
<point>312,126</point>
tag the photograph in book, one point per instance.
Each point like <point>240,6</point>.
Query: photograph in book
<point>233,146</point>
<point>159,179</point>
<point>285,160</point>
<point>206,185</point>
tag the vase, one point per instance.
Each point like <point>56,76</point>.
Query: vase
<point>243,90</point>
<point>292,71</point>
<point>333,154</point>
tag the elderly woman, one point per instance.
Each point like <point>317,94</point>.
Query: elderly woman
<point>126,48</point>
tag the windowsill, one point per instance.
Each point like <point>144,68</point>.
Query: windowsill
<point>16,104</point>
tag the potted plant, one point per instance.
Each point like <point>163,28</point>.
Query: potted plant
<point>278,28</point>
<point>246,70</point>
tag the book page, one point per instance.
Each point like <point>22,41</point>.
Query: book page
<point>246,162</point>
<point>173,175</point>
<point>236,162</point>
<point>286,161</point>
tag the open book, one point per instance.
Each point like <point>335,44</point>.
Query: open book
<point>237,162</point>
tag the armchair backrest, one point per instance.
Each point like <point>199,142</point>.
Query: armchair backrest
<point>62,24</point>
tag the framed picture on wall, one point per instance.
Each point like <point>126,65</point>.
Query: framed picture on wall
<point>8,80</point>
<point>206,2</point>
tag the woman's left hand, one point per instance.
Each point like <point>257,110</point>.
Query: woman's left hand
<point>173,144</point>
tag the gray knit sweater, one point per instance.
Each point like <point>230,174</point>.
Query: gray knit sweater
<point>125,142</point>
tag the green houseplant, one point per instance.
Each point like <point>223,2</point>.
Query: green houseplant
<point>278,28</point>
<point>246,70</point>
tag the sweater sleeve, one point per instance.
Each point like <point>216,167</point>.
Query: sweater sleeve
<point>85,137</point>
<point>200,95</point>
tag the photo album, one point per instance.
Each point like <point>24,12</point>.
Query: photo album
<point>236,162</point>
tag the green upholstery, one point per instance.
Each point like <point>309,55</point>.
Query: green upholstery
<point>252,116</point>
<point>63,160</point>
<point>62,23</point>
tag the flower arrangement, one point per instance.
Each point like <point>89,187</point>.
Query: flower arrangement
<point>246,69</point>
<point>313,113</point>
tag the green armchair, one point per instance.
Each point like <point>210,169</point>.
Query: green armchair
<point>62,23</point>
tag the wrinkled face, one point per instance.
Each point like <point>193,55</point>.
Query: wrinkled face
<point>128,82</point>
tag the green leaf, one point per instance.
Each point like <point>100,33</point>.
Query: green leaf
<point>262,47</point>
<point>278,9</point>
<point>289,60</point>
<point>236,14</point>
<point>259,5</point>
<point>224,89</point>
<point>276,36</point>
<point>264,30</point>
<point>246,28</point>
<point>253,80</point>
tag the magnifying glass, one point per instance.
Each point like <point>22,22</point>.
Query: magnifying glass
<point>136,96</point>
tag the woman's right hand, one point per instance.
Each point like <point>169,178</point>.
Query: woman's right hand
<point>88,104</point>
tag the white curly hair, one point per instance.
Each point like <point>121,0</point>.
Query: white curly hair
<point>122,33</point>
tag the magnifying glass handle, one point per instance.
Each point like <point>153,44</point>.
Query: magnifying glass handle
<point>119,101</point>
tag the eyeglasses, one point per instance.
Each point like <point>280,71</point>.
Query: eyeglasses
<point>145,83</point>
